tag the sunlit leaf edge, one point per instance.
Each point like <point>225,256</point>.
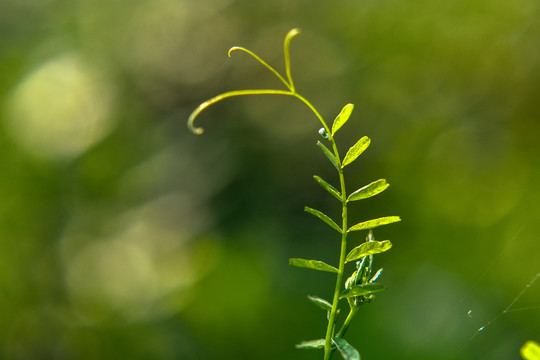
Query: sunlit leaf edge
<point>369,190</point>
<point>368,248</point>
<point>342,117</point>
<point>328,187</point>
<point>328,154</point>
<point>356,150</point>
<point>370,224</point>
<point>324,218</point>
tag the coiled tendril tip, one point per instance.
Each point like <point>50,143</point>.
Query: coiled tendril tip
<point>232,49</point>
<point>293,32</point>
<point>195,129</point>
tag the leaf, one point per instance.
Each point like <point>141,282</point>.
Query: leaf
<point>356,150</point>
<point>346,350</point>
<point>342,118</point>
<point>359,290</point>
<point>530,350</point>
<point>324,218</point>
<point>311,344</point>
<point>370,190</point>
<point>312,264</point>
<point>332,190</point>
<point>323,304</point>
<point>328,154</point>
<point>368,248</point>
<point>370,224</point>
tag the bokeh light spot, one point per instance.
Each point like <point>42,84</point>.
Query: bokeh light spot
<point>60,109</point>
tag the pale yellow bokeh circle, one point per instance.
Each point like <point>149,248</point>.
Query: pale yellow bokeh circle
<point>60,109</point>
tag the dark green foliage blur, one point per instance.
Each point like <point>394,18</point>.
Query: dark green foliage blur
<point>124,236</point>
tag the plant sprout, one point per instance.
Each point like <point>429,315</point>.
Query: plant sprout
<point>360,287</point>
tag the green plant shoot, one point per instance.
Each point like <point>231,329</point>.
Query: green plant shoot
<point>360,287</point>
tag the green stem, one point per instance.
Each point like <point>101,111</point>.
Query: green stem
<point>347,322</point>
<point>312,108</point>
<point>341,333</point>
<point>343,253</point>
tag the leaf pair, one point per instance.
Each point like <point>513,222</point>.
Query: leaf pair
<point>347,351</point>
<point>365,192</point>
<point>355,151</point>
<point>370,224</point>
<point>360,145</point>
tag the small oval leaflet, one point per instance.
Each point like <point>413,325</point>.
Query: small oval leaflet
<point>328,154</point>
<point>312,264</point>
<point>368,248</point>
<point>356,150</point>
<point>359,290</point>
<point>347,351</point>
<point>342,118</point>
<point>370,190</point>
<point>324,218</point>
<point>370,224</point>
<point>311,344</point>
<point>323,304</point>
<point>332,190</point>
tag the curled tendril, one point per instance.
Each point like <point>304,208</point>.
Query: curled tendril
<point>215,99</point>
<point>288,83</point>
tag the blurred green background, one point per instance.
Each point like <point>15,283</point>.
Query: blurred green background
<point>123,236</point>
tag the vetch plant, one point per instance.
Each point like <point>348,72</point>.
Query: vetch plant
<point>360,287</point>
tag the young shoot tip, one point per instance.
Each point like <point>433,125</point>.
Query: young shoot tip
<point>293,32</point>
<point>190,123</point>
<point>195,130</point>
<point>232,49</point>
